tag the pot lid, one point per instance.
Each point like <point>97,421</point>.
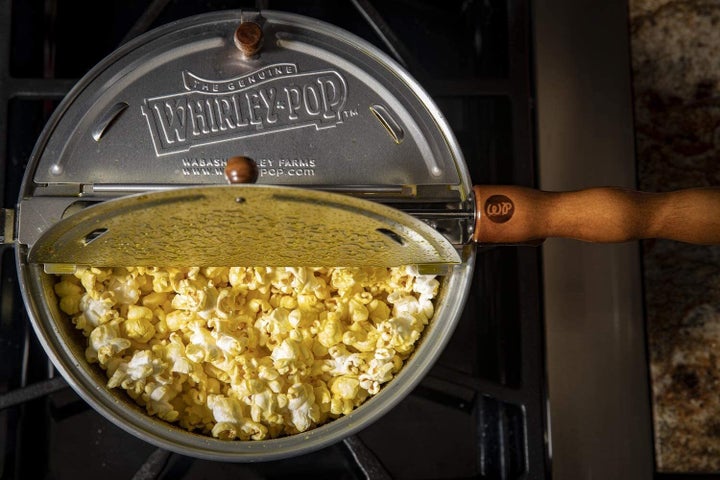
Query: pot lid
<point>313,106</point>
<point>310,104</point>
<point>251,226</point>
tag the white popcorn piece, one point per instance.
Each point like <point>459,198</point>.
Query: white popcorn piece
<point>158,402</point>
<point>343,362</point>
<point>225,409</point>
<point>105,342</point>
<point>301,404</point>
<point>138,325</point>
<point>175,353</point>
<point>125,289</point>
<point>98,310</point>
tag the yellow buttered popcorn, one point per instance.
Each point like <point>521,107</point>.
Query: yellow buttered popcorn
<point>249,353</point>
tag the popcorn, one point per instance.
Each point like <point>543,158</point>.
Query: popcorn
<point>249,353</point>
<point>346,394</point>
<point>105,343</point>
<point>138,325</point>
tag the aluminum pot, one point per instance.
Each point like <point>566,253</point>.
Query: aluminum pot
<point>309,102</point>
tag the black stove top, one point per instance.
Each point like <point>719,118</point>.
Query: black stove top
<point>480,413</point>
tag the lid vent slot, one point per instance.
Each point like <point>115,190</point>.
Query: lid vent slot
<point>107,120</point>
<point>94,235</point>
<point>391,125</point>
<point>392,235</point>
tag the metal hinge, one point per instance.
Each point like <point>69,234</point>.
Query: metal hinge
<point>8,232</point>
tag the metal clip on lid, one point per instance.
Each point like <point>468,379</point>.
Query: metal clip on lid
<point>8,231</point>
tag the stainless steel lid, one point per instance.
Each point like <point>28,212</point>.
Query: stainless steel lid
<point>314,107</point>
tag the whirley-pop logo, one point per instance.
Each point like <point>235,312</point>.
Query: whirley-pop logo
<point>271,99</point>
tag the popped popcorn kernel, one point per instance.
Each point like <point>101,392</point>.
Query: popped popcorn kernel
<point>243,353</point>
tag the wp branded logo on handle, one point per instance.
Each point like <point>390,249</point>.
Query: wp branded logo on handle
<point>499,208</point>
<point>272,99</point>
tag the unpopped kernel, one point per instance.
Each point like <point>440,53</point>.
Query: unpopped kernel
<point>249,353</point>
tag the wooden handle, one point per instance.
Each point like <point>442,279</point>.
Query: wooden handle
<point>510,214</point>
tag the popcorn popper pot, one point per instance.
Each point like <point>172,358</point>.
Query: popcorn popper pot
<point>271,139</point>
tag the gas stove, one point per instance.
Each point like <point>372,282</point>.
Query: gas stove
<point>482,410</point>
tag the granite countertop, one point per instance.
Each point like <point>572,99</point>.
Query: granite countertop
<point>675,48</point>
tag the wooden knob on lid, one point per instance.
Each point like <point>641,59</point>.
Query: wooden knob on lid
<point>248,38</point>
<point>241,170</point>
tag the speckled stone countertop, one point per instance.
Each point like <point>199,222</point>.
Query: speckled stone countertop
<point>675,49</point>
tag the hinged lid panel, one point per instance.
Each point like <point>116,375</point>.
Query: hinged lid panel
<point>248,225</point>
<point>316,106</point>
